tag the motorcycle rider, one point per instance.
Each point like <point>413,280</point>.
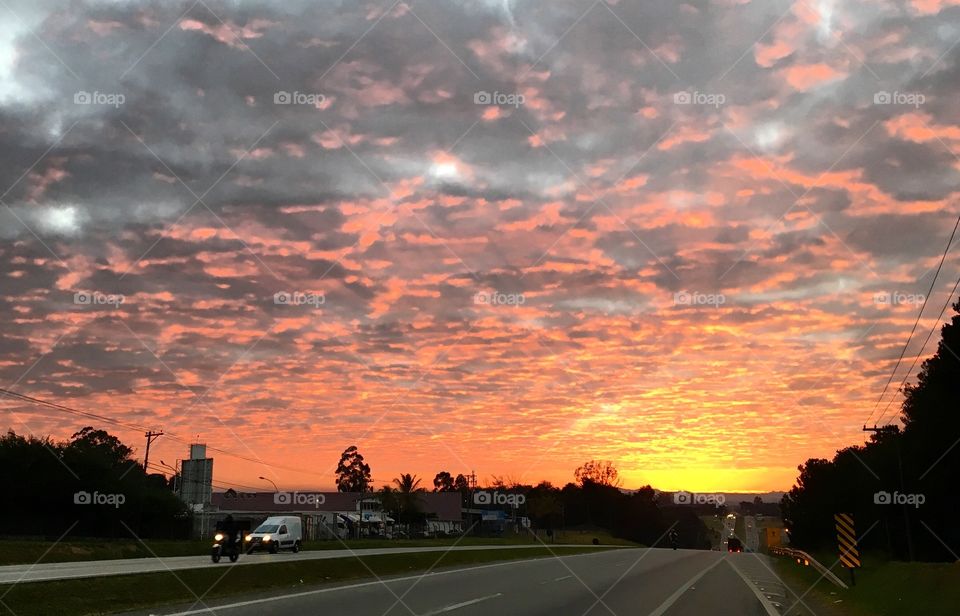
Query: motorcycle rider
<point>229,530</point>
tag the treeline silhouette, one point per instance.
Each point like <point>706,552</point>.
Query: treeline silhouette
<point>88,486</point>
<point>902,486</point>
<point>638,515</point>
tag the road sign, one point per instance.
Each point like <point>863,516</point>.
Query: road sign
<point>847,540</point>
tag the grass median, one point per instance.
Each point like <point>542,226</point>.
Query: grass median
<point>112,594</point>
<point>883,588</point>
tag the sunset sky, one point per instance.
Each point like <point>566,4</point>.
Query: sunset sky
<point>513,235</point>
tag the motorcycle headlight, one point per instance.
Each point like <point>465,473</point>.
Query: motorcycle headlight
<point>218,537</point>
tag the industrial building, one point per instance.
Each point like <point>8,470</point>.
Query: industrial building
<point>330,515</point>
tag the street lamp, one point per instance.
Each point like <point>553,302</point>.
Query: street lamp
<point>176,476</point>
<point>271,481</point>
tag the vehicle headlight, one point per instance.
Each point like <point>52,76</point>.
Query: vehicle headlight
<point>248,538</point>
<point>218,537</point>
<point>266,537</point>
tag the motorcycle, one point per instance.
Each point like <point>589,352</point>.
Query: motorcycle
<point>224,547</point>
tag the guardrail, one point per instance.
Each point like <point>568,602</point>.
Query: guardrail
<point>803,558</point>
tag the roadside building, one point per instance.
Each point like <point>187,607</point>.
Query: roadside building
<point>330,515</point>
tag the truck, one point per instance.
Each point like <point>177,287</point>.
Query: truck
<point>280,532</point>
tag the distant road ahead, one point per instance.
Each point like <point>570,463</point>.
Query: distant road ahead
<point>648,582</point>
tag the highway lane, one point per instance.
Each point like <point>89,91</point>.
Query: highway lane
<point>653,582</point>
<point>729,530</point>
<point>13,574</point>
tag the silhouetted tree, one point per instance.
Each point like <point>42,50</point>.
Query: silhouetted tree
<point>601,472</point>
<point>443,482</point>
<point>90,483</point>
<point>353,474</point>
<point>921,459</point>
<point>408,501</point>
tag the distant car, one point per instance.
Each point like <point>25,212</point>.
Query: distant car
<point>734,545</point>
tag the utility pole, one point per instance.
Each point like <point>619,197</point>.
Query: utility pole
<point>889,429</point>
<point>151,436</point>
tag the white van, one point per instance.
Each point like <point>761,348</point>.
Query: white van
<point>280,532</point>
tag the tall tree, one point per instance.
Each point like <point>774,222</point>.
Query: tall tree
<point>353,474</point>
<point>407,483</point>
<point>443,482</point>
<point>406,494</point>
<point>601,472</point>
<point>61,485</point>
<point>918,462</point>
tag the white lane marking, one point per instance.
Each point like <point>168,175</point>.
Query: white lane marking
<point>666,605</point>
<point>457,606</point>
<point>764,601</point>
<point>319,591</point>
<point>560,579</point>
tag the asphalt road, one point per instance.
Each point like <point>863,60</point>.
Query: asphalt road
<point>652,582</point>
<point>14,574</point>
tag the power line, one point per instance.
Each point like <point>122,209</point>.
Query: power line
<point>130,426</point>
<point>219,483</point>
<point>917,322</point>
<point>920,352</point>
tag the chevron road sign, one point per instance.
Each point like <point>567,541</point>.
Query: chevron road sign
<point>847,542</point>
